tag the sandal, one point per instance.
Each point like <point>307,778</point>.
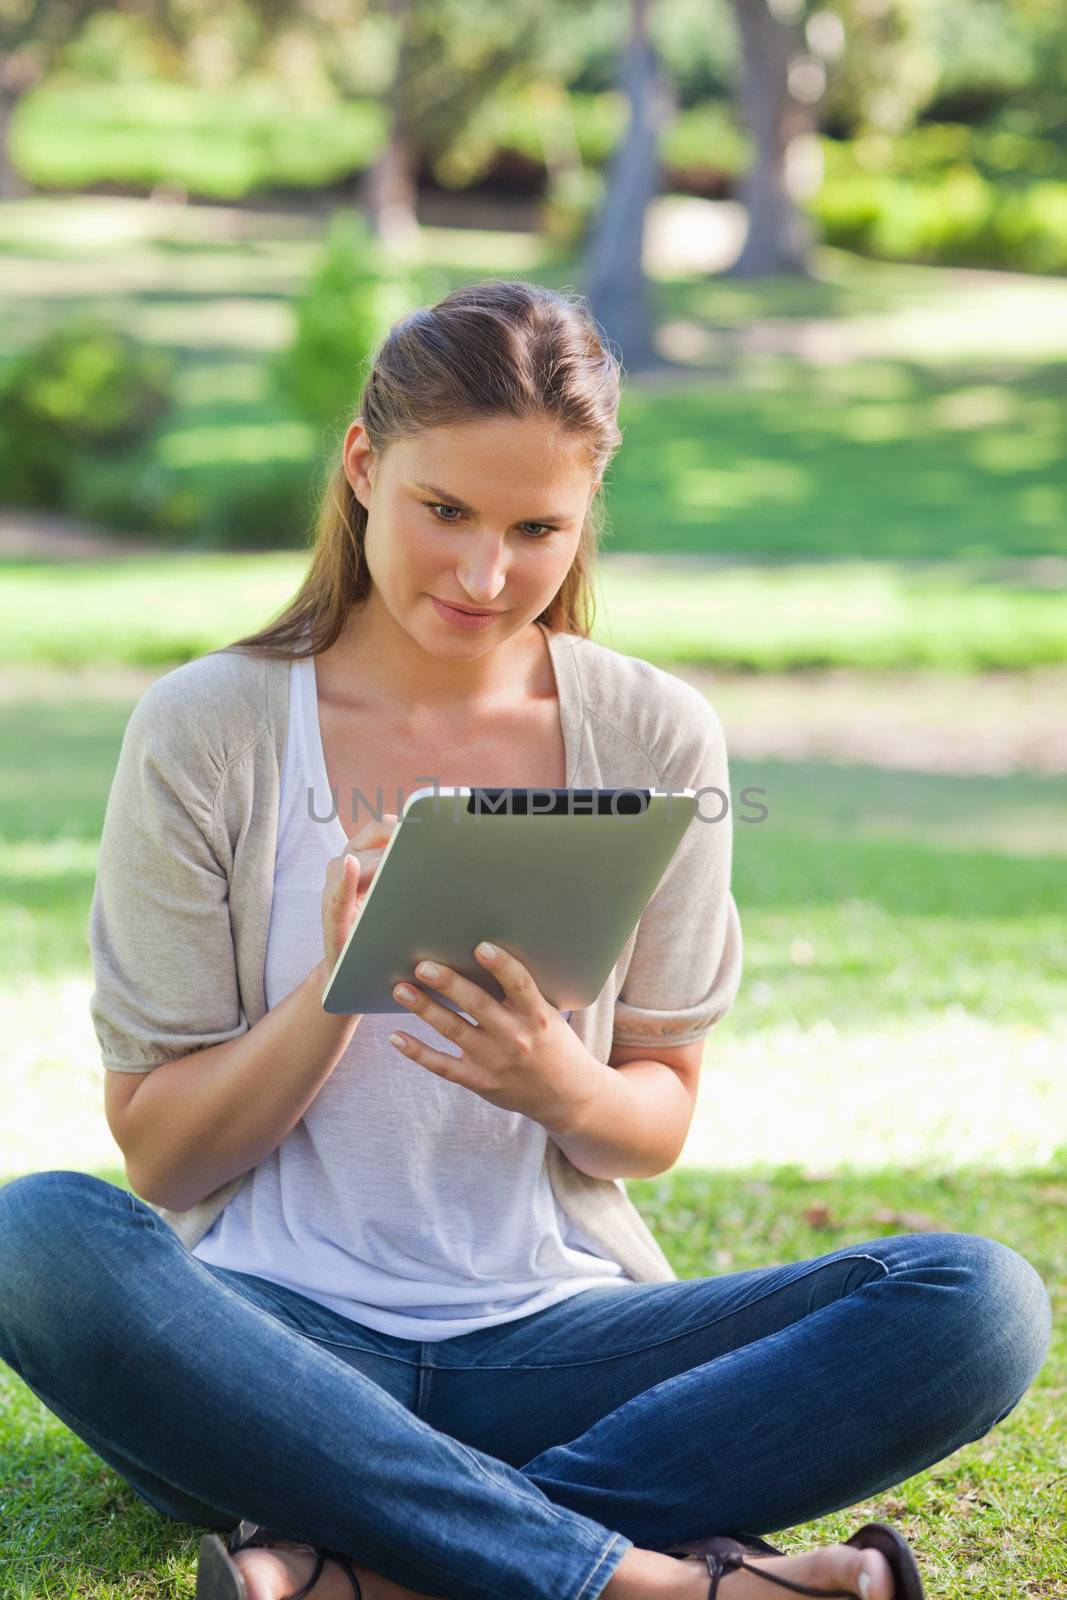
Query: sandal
<point>219,1578</point>
<point>724,1554</point>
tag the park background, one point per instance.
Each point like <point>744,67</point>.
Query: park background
<point>828,241</point>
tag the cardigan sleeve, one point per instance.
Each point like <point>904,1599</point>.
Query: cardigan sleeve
<point>160,939</point>
<point>685,967</point>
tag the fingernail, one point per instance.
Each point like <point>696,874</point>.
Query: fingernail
<point>428,969</point>
<point>487,950</point>
<point>863,1583</point>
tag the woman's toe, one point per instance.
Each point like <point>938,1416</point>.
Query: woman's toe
<point>871,1576</point>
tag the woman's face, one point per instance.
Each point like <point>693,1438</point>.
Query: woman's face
<point>485,514</point>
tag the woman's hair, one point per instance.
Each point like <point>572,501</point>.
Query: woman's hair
<point>499,348</point>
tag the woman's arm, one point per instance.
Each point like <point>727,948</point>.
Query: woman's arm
<point>195,1122</point>
<point>682,976</point>
<point>212,1094</point>
<point>637,1121</point>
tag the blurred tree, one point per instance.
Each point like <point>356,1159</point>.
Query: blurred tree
<point>450,57</point>
<point>386,193</point>
<point>857,65</point>
<point>32,34</point>
<point>887,62</point>
<point>780,84</point>
<point>615,283</point>
<point>1040,94</point>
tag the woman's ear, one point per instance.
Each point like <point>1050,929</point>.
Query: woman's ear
<point>358,461</point>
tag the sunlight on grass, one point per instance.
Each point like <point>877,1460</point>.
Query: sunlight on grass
<point>1013,453</point>
<point>955,1092</point>
<point>749,481</point>
<point>947,1093</point>
<point>901,410</point>
<point>869,613</point>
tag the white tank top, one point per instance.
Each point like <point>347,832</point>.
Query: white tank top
<point>400,1200</point>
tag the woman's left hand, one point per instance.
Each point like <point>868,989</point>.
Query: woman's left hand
<point>522,1055</point>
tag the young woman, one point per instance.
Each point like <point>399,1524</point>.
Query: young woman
<point>390,1299</point>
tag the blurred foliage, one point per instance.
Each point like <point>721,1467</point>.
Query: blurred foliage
<point>354,45</point>
<point>243,506</point>
<point>83,389</point>
<point>352,298</point>
<point>307,94</point>
<point>994,194</point>
<point>948,193</point>
<point>70,134</point>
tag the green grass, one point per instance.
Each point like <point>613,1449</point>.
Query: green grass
<point>875,614</point>
<point>69,134</point>
<point>876,458</point>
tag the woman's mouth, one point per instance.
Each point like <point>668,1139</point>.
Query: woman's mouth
<point>461,618</point>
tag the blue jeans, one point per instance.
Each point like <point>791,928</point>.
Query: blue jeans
<point>523,1459</point>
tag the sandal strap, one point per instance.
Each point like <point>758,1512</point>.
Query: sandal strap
<point>719,1565</point>
<point>248,1535</point>
<point>346,1566</point>
<point>320,1562</point>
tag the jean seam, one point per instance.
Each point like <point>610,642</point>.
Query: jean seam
<point>608,1549</point>
<point>560,1513</point>
<point>698,1327</point>
<point>341,1344</point>
<point>281,1313</point>
<point>424,1380</point>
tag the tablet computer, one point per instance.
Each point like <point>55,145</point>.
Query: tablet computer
<point>559,877</point>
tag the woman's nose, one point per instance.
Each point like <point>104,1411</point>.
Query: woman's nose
<point>484,576</point>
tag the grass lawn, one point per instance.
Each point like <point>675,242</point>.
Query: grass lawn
<point>878,413</point>
<point>871,614</point>
<point>893,1063</point>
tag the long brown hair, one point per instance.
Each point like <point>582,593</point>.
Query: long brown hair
<point>498,348</point>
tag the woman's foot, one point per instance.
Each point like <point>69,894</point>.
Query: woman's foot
<point>640,1577</point>
<point>276,1571</point>
<point>272,1572</point>
<point>866,1573</point>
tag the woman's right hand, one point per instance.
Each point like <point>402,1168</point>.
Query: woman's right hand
<point>348,880</point>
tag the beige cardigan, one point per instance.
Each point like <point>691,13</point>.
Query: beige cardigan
<point>185,874</point>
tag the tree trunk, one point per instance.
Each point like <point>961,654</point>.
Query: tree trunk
<point>12,184</point>
<point>386,192</point>
<point>614,279</point>
<point>779,235</point>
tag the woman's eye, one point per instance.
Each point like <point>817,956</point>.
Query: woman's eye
<point>437,506</point>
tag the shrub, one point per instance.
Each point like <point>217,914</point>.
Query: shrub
<point>83,389</point>
<point>947,193</point>
<point>266,508</point>
<point>347,308</point>
<point>138,493</point>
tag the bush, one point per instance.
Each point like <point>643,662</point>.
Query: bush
<point>949,194</point>
<point>69,134</point>
<point>137,493</point>
<point>570,207</point>
<point>262,508</point>
<point>82,390</point>
<point>242,507</point>
<point>351,301</point>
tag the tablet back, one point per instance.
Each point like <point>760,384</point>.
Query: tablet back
<point>559,877</point>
